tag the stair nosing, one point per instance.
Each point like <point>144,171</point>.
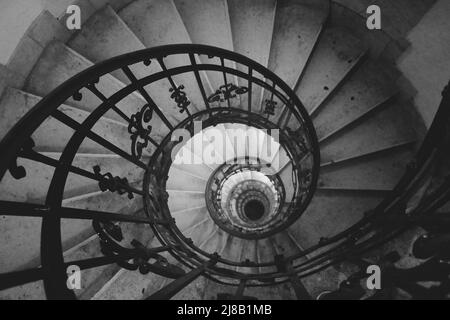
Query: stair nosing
<point>347,74</point>
<point>385,103</point>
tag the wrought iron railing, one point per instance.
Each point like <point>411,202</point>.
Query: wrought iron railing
<point>150,129</point>
<point>150,150</point>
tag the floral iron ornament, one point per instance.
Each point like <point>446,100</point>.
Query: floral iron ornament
<point>226,92</point>
<point>140,130</point>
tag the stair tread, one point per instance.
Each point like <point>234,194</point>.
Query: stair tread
<point>329,213</point>
<point>379,172</point>
<point>52,135</point>
<point>366,88</point>
<point>193,291</point>
<point>179,199</point>
<point>248,252</point>
<point>252,26</point>
<point>115,4</point>
<point>232,250</point>
<point>112,37</point>
<point>252,23</point>
<point>335,55</point>
<point>131,285</point>
<point>92,279</point>
<point>283,245</point>
<point>33,187</point>
<point>216,241</point>
<point>201,231</point>
<point>30,291</point>
<point>217,138</point>
<point>265,253</point>
<point>208,22</point>
<point>286,177</point>
<point>281,35</point>
<point>342,16</point>
<point>95,278</point>
<point>199,170</point>
<point>188,217</point>
<point>44,29</point>
<point>325,280</point>
<point>156,23</point>
<point>179,179</point>
<point>278,292</point>
<point>381,130</point>
<point>192,158</point>
<point>22,234</point>
<point>296,25</point>
<point>109,33</point>
<point>395,23</point>
<point>58,63</point>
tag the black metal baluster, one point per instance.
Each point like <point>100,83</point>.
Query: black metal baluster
<point>177,93</point>
<point>62,117</point>
<point>240,290</point>
<point>115,184</point>
<point>146,96</point>
<point>250,88</point>
<point>225,81</point>
<point>286,266</point>
<point>17,278</point>
<point>35,156</point>
<point>52,211</point>
<point>10,208</point>
<point>270,104</point>
<point>134,123</point>
<point>177,285</point>
<point>300,291</point>
<point>200,82</point>
<point>91,87</point>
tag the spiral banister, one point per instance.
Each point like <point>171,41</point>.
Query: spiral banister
<point>149,149</point>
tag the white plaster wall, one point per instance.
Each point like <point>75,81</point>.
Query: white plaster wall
<point>426,64</point>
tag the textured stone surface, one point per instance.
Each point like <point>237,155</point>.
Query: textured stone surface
<point>58,63</point>
<point>379,172</point>
<point>296,26</point>
<point>334,57</point>
<point>383,129</point>
<point>281,36</point>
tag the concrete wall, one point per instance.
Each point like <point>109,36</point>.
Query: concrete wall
<point>15,17</point>
<point>426,64</point>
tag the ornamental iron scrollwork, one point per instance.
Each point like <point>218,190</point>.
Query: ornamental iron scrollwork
<point>19,172</point>
<point>140,130</point>
<point>270,107</point>
<point>227,92</point>
<point>298,136</point>
<point>110,234</point>
<point>179,96</point>
<point>107,182</point>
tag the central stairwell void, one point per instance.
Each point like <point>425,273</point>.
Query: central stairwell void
<point>103,167</point>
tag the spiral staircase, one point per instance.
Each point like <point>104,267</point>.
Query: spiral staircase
<point>92,175</point>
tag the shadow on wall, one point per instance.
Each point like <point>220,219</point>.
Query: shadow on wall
<point>426,64</point>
